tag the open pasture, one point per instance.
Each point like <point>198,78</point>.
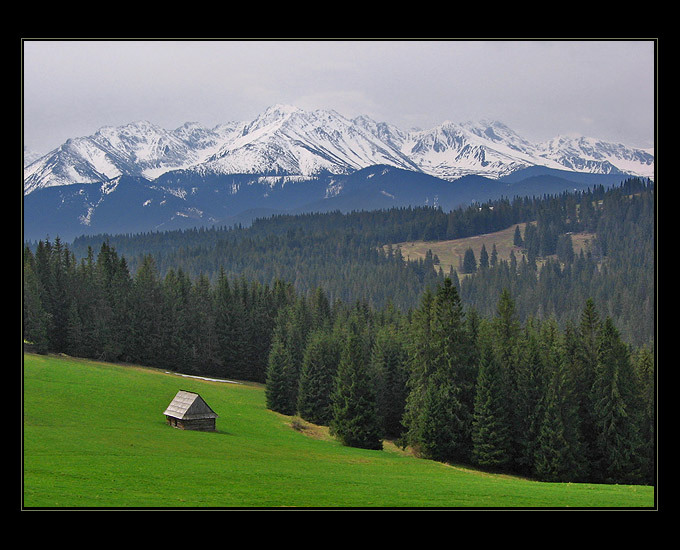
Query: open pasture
<point>94,435</point>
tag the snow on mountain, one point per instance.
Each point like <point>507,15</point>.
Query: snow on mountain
<point>489,149</point>
<point>135,149</point>
<point>584,154</point>
<point>285,140</point>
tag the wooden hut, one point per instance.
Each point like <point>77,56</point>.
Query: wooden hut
<point>188,411</point>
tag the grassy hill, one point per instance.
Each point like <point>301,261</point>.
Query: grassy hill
<point>451,252</point>
<point>95,436</point>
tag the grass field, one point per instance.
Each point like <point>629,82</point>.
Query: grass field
<point>451,253</point>
<point>95,436</point>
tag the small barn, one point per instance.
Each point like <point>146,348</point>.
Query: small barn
<point>188,411</point>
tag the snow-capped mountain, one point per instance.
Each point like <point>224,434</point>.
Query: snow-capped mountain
<point>584,154</point>
<point>136,149</point>
<point>140,177</point>
<point>287,140</point>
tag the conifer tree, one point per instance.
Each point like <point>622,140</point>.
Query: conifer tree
<point>552,455</point>
<point>317,377</point>
<point>644,367</point>
<point>491,436</point>
<point>506,329</point>
<point>35,320</point>
<point>145,314</point>
<point>294,322</point>
<point>483,258</point>
<point>389,363</point>
<point>320,309</point>
<point>571,401</point>
<point>114,278</point>
<point>230,329</point>
<point>58,287</point>
<point>74,332</point>
<point>453,356</point>
<point>557,450</point>
<point>355,418</point>
<point>440,426</point>
<point>202,352</point>
<point>440,402</point>
<point>172,320</point>
<point>617,432</point>
<point>530,373</point>
<point>494,256</point>
<point>421,367</point>
<point>469,261</point>
<point>278,382</point>
<point>517,238</point>
<point>585,365</point>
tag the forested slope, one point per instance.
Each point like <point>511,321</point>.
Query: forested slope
<point>342,253</point>
<point>520,368</point>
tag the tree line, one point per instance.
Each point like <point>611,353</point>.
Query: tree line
<point>524,377</point>
<point>345,254</point>
<point>561,405</point>
<point>96,308</point>
<point>530,399</point>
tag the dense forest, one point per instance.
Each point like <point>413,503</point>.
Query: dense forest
<point>546,372</point>
<point>344,255</point>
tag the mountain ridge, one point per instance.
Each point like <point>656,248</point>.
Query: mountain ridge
<point>287,140</point>
<point>140,177</point>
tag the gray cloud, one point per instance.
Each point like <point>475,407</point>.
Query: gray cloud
<point>603,89</point>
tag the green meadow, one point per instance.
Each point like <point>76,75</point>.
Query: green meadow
<point>94,435</point>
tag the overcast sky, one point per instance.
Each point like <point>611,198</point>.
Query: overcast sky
<point>541,89</point>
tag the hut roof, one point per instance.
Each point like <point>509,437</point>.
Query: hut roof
<point>189,406</point>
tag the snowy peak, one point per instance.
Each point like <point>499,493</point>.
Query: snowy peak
<point>453,150</point>
<point>286,140</point>
<point>585,154</point>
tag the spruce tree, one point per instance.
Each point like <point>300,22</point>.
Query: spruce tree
<point>74,332</point>
<point>35,321</point>
<point>530,376</point>
<point>585,366</point>
<point>494,256</point>
<point>571,401</point>
<point>552,456</point>
<point>278,381</point>
<point>114,278</point>
<point>389,363</point>
<point>419,349</point>
<point>145,314</point>
<point>202,353</point>
<point>557,450</point>
<point>617,432</point>
<point>317,378</point>
<point>438,413</point>
<point>483,258</point>
<point>517,237</point>
<point>644,367</point>
<point>491,425</point>
<point>355,418</point>
<point>506,329</point>
<point>230,329</point>
<point>453,356</point>
<point>469,261</point>
<point>440,427</point>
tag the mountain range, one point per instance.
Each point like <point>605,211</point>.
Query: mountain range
<point>140,177</point>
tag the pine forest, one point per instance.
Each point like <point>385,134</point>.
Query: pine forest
<point>540,365</point>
